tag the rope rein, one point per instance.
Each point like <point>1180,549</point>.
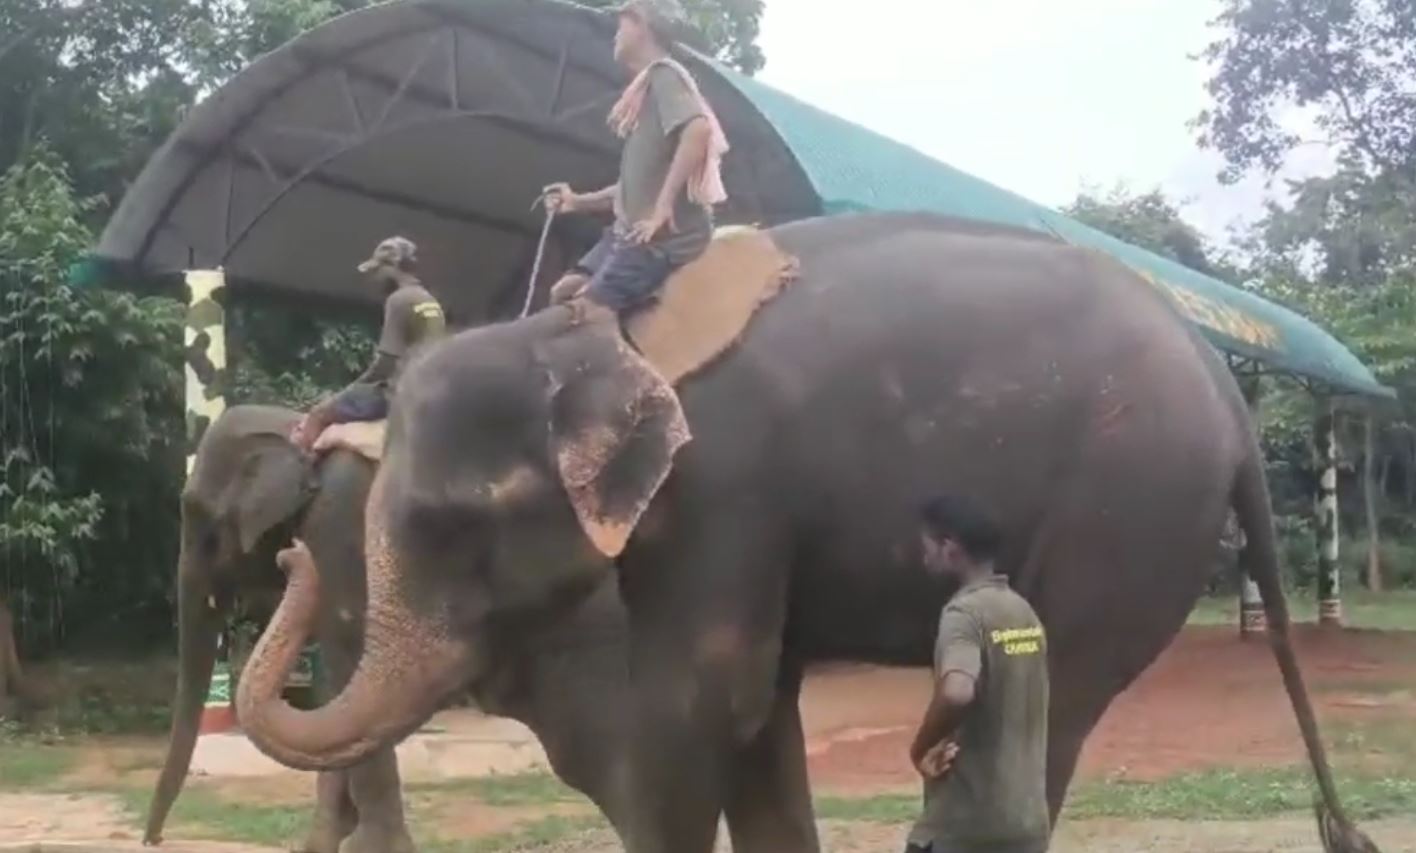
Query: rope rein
<point>540,255</point>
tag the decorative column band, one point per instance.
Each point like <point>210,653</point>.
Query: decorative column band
<point>1325,515</point>
<point>206,355</point>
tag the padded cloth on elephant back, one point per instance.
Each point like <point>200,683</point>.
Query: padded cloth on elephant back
<point>705,306</point>
<point>365,438</point>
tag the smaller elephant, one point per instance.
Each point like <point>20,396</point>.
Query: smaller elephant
<point>250,493</point>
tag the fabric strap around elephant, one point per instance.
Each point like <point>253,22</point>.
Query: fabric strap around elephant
<point>706,306</point>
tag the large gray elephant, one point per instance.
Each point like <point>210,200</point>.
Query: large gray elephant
<point>250,492</point>
<point>527,461</point>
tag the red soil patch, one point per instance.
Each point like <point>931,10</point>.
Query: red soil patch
<point>1209,701</point>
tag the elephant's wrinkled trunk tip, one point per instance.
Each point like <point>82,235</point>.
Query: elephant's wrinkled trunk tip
<point>397,685</point>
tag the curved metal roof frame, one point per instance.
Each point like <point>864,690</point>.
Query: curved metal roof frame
<point>442,120</point>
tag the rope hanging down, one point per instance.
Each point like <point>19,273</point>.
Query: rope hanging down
<point>540,254</point>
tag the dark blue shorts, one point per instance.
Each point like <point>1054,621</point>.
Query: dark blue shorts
<point>360,402</point>
<point>624,275</point>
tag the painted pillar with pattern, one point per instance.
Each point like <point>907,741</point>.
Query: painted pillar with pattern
<point>1325,514</point>
<point>1252,621</point>
<point>206,355</point>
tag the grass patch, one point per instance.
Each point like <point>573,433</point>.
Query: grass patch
<point>512,789</point>
<point>885,808</point>
<point>29,765</point>
<point>214,818</point>
<point>1237,795</point>
<point>1387,737</point>
<point>544,832</point>
<point>1375,611</point>
<point>1213,795</point>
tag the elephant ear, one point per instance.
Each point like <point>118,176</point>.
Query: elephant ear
<point>615,427</point>
<point>273,485</point>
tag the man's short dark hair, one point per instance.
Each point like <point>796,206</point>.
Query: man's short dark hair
<point>950,517</point>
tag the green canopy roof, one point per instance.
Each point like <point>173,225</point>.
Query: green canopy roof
<point>442,120</point>
<point>855,169</point>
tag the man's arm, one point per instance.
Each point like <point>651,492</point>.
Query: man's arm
<point>382,369</point>
<point>952,697</point>
<point>562,199</point>
<point>692,150</point>
<point>959,663</point>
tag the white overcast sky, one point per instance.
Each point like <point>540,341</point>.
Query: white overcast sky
<point>1043,97</point>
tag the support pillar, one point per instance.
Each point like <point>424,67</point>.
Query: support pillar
<point>1253,622</point>
<point>205,354</point>
<point>1325,515</point>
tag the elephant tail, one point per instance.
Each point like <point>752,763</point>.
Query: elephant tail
<point>1259,559</point>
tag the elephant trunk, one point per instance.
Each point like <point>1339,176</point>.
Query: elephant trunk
<point>199,620</point>
<point>406,671</point>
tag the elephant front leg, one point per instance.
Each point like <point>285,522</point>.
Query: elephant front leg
<point>334,816</point>
<point>378,797</point>
<point>679,776</point>
<point>707,608</point>
<point>769,798</point>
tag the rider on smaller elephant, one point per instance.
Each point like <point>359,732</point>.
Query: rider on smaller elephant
<point>670,171</point>
<point>412,317</point>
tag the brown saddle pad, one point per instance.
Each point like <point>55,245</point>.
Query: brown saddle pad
<point>365,438</point>
<point>705,306</point>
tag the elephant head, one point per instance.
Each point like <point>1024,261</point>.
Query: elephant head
<point>519,460</point>
<point>248,481</point>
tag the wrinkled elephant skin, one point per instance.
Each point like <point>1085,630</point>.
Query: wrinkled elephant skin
<point>566,682</point>
<point>249,492</point>
<point>914,355</point>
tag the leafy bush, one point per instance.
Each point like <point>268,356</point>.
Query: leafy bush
<point>91,419</point>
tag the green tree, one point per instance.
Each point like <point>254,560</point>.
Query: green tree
<point>91,421</point>
<point>724,29</point>
<point>1149,220</point>
<point>1349,63</point>
<point>1350,229</point>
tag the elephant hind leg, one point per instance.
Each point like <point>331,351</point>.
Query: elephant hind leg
<point>1078,703</point>
<point>769,796</point>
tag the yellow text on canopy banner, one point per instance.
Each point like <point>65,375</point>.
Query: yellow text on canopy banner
<point>1218,316</point>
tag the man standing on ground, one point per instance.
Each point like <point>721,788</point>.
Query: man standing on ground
<point>982,747</point>
<point>670,171</point>
<point>412,317</point>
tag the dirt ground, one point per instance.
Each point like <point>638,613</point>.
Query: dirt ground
<point>1210,702</point>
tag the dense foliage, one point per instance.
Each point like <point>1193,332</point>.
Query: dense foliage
<point>1340,249</point>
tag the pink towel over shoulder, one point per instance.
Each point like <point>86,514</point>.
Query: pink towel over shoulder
<point>706,187</point>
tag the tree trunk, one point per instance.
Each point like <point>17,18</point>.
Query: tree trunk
<point>1410,478</point>
<point>1370,498</point>
<point>10,675</point>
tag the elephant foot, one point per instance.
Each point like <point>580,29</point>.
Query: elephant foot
<point>321,840</point>
<point>371,839</point>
